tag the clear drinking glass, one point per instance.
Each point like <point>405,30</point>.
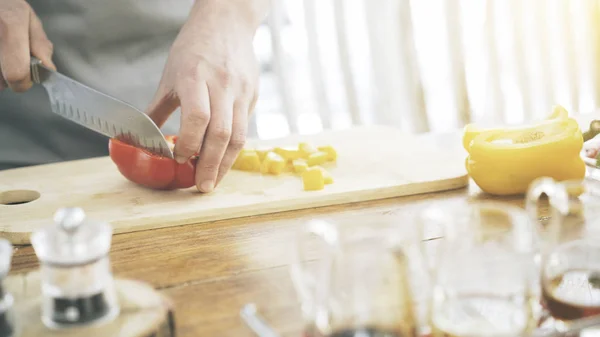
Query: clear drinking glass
<point>481,270</point>
<point>359,287</point>
<point>563,211</point>
<point>571,281</point>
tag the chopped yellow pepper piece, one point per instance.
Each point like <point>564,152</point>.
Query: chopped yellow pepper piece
<point>313,179</point>
<point>300,165</point>
<point>288,153</point>
<point>306,150</point>
<point>506,161</point>
<point>317,158</point>
<point>238,161</point>
<point>327,178</point>
<point>273,164</point>
<point>262,153</point>
<point>331,153</point>
<point>289,167</point>
<point>247,160</point>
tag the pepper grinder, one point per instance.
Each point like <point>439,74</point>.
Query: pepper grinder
<point>76,278</point>
<point>7,320</point>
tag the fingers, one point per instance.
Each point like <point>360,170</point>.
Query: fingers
<point>217,139</point>
<point>253,103</point>
<point>14,46</point>
<point>40,46</point>
<point>195,115</point>
<point>238,137</point>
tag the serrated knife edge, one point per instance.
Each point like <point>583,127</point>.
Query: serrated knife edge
<point>99,112</point>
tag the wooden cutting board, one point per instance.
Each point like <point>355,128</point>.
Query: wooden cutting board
<point>374,162</point>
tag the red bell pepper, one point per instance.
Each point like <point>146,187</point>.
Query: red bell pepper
<point>151,170</point>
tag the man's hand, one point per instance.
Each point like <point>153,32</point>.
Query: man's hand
<point>21,35</point>
<point>211,73</point>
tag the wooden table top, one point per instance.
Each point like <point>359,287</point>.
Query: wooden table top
<point>211,270</point>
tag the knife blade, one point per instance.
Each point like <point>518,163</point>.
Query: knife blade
<point>99,112</point>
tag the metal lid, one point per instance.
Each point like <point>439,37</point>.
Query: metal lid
<point>6,252</point>
<point>72,239</point>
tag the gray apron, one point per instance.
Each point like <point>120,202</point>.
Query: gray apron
<point>116,46</point>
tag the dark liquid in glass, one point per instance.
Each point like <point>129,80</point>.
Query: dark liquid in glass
<point>359,332</point>
<point>573,295</point>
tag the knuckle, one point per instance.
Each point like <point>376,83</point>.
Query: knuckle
<point>246,87</point>
<point>191,69</point>
<point>237,142</point>
<point>191,74</point>
<point>187,148</point>
<point>221,134</point>
<point>225,76</point>
<point>197,119</point>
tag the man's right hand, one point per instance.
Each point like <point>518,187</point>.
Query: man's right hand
<point>21,35</point>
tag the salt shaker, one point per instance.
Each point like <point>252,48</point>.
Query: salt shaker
<point>77,282</point>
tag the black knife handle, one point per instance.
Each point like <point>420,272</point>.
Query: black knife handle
<point>38,71</point>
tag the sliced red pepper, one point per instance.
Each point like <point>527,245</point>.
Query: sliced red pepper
<point>151,170</point>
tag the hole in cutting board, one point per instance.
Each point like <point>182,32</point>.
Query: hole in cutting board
<point>18,197</point>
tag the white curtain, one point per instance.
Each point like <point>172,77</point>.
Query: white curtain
<point>424,65</point>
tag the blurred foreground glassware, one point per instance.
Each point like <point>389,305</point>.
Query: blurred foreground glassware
<point>8,321</point>
<point>563,211</point>
<point>481,269</point>
<point>361,285</point>
<point>571,281</point>
<point>78,288</point>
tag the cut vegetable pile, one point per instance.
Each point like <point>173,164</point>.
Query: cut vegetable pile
<point>304,160</point>
<point>157,172</point>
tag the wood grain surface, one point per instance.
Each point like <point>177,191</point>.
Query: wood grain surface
<point>374,162</point>
<point>211,270</point>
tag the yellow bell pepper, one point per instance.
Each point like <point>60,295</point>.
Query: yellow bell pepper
<point>506,161</point>
<point>471,130</point>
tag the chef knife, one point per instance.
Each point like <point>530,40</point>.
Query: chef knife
<point>99,112</point>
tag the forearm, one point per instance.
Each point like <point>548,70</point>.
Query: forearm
<point>246,13</point>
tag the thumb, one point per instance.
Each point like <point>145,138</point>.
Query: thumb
<point>40,46</point>
<point>162,106</point>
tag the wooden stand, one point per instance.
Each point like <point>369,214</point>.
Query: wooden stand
<point>144,311</point>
